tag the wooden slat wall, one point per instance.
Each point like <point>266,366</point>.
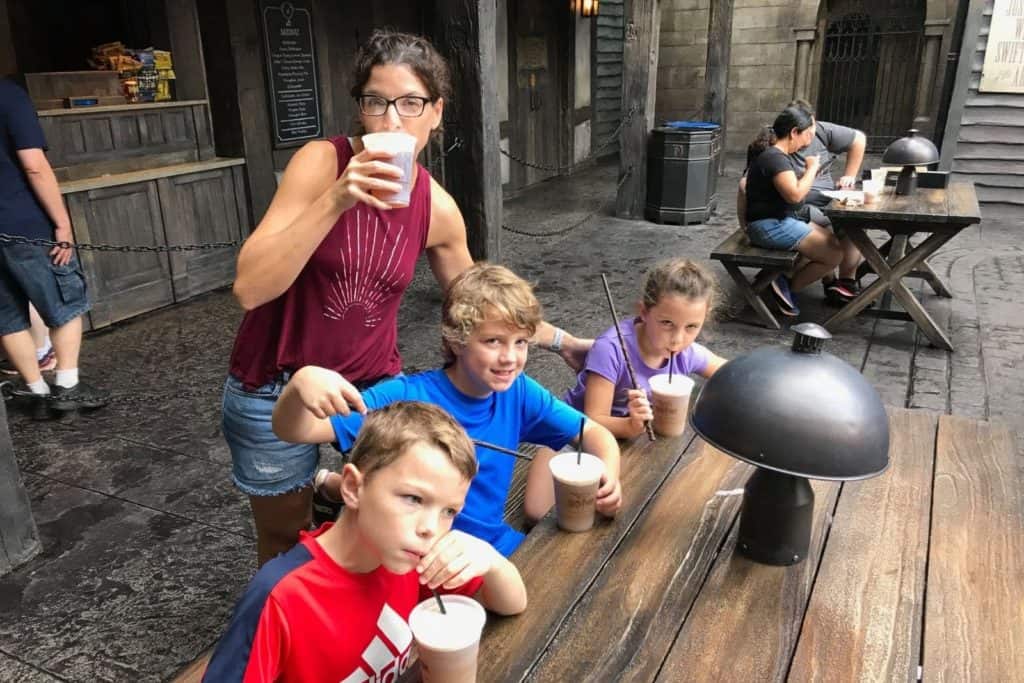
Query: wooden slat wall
<point>990,143</point>
<point>607,74</point>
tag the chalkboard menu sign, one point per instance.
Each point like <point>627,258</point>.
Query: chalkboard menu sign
<point>291,71</point>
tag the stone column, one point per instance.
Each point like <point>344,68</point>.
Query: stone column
<point>19,540</point>
<point>934,30</point>
<point>805,38</point>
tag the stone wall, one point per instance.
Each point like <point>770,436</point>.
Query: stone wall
<point>761,69</point>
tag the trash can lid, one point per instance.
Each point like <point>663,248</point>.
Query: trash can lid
<point>691,125</point>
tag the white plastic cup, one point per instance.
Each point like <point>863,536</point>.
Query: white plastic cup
<point>871,190</point>
<point>448,644</point>
<point>402,148</point>
<point>670,402</point>
<point>576,489</point>
<point>878,176</point>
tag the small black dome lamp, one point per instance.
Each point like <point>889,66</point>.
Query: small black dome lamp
<point>793,413</point>
<point>910,152</point>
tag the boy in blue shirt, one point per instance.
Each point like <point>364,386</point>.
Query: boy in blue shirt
<point>489,315</point>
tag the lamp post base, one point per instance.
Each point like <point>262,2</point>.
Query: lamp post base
<point>775,524</point>
<point>907,180</point>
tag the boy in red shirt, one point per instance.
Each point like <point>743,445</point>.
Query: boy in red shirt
<point>335,607</point>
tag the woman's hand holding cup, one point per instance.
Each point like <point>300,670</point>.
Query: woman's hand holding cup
<point>368,174</point>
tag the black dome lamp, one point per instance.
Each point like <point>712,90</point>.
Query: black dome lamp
<point>794,413</point>
<point>910,152</point>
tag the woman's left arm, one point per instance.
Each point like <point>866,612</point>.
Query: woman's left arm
<point>448,254</point>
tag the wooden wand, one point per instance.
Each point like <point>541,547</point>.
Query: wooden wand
<point>625,354</point>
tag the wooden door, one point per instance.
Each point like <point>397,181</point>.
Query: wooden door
<point>536,95</point>
<point>122,284</point>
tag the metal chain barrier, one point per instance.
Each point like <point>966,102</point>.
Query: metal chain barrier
<point>610,140</point>
<point>570,228</point>
<point>122,248</point>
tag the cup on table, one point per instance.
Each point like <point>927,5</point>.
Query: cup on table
<point>448,643</point>
<point>878,177</point>
<point>670,401</point>
<point>576,489</point>
<point>871,191</point>
<point>402,148</point>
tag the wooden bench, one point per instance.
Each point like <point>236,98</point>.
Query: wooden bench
<point>737,252</point>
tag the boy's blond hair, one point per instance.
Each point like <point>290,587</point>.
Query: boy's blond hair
<point>388,433</point>
<point>485,291</point>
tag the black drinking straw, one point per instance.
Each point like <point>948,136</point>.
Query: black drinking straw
<point>671,362</point>
<point>501,449</point>
<point>437,596</point>
<point>625,354</point>
<point>579,441</point>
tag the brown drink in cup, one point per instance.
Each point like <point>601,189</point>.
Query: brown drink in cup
<point>576,489</point>
<point>402,148</point>
<point>670,401</point>
<point>448,643</point>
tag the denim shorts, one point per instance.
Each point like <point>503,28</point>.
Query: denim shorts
<point>27,273</point>
<point>775,233</point>
<point>262,464</point>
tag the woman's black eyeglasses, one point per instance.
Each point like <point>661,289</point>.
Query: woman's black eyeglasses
<point>407,106</point>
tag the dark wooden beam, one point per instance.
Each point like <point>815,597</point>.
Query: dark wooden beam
<point>19,540</point>
<point>639,72</point>
<point>231,42</point>
<point>186,49</point>
<point>716,79</point>
<point>8,58</point>
<point>464,33</point>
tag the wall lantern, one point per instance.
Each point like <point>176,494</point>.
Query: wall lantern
<point>586,8</point>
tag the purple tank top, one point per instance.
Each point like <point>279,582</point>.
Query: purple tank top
<point>342,310</point>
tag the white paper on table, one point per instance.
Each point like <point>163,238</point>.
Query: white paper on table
<point>842,195</point>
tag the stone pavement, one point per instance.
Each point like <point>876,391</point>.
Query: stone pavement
<point>147,544</point>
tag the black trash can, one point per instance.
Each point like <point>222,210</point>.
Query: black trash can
<point>682,172</point>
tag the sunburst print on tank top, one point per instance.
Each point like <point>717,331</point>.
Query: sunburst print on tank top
<point>369,268</point>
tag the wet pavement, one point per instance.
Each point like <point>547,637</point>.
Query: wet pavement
<point>146,543</point>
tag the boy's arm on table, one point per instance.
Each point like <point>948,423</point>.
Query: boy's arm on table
<point>302,413</point>
<point>597,404</point>
<point>600,442</point>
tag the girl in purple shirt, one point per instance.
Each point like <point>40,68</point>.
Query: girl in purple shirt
<point>678,296</point>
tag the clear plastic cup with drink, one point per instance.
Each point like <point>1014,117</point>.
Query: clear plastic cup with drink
<point>402,148</point>
<point>448,644</point>
<point>670,401</point>
<point>576,489</point>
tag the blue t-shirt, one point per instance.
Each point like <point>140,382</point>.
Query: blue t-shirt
<point>20,211</point>
<point>526,412</point>
<point>605,359</point>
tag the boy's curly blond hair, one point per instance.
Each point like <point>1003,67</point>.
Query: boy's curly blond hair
<point>485,291</point>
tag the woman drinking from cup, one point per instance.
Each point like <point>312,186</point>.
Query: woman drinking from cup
<point>322,276</point>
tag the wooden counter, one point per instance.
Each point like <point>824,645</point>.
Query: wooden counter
<point>142,106</point>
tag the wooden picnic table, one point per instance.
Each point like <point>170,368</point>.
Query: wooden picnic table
<point>660,594</point>
<point>939,213</point>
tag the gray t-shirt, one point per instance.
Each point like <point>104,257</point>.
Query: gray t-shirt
<point>830,140</point>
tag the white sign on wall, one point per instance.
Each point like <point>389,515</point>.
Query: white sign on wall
<point>1004,56</point>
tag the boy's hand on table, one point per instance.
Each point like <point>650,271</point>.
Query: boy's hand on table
<point>455,559</point>
<point>609,496</point>
<point>324,392</point>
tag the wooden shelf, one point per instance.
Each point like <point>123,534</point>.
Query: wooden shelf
<point>115,179</point>
<point>119,107</point>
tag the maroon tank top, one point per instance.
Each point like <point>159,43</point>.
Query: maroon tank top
<point>342,310</point>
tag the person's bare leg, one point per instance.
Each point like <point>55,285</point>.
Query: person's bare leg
<point>851,259</point>
<point>67,343</point>
<point>279,519</point>
<point>38,329</point>
<point>540,487</point>
<point>824,252</point>
<point>21,351</point>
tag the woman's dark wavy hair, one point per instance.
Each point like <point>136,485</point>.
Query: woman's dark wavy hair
<point>385,46</point>
<point>790,118</point>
